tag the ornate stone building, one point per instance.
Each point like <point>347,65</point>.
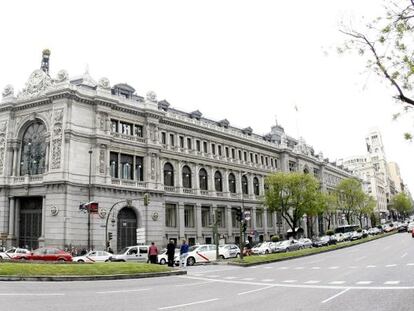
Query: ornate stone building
<point>65,142</point>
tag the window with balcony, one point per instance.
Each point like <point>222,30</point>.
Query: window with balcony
<point>271,163</point>
<point>170,215</point>
<point>168,175</point>
<point>163,138</point>
<point>198,145</point>
<point>113,164</point>
<point>189,144</point>
<point>33,152</point>
<point>256,187</point>
<point>292,166</point>
<point>232,183</point>
<point>219,150</point>
<point>181,142</point>
<point>259,218</point>
<point>213,149</point>
<point>114,126</point>
<point>233,153</point>
<point>205,216</point>
<point>227,152</point>
<point>221,217</point>
<point>139,168</point>
<point>202,175</point>
<point>186,176</point>
<point>245,156</point>
<point>125,128</point>
<point>126,166</point>
<point>172,142</point>
<point>138,130</point>
<point>245,185</point>
<point>189,216</point>
<point>205,147</point>
<point>240,155</point>
<point>218,182</point>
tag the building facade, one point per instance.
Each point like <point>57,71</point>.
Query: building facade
<point>65,142</point>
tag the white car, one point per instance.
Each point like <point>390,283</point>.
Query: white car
<point>305,242</point>
<point>93,256</point>
<point>201,253</point>
<point>263,248</point>
<point>163,258</point>
<point>229,251</point>
<point>132,253</point>
<point>340,237</point>
<point>11,253</point>
<point>410,227</point>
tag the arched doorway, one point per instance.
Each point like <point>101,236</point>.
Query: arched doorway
<point>127,228</point>
<point>30,222</point>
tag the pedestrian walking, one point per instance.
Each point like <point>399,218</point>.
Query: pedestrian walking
<point>153,253</point>
<point>171,253</point>
<point>183,254</point>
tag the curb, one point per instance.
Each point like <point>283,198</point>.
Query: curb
<point>91,278</point>
<point>245,265</point>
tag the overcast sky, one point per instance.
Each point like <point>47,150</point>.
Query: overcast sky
<point>248,61</point>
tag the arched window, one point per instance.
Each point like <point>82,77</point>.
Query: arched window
<point>232,183</point>
<point>186,177</point>
<point>306,171</point>
<point>218,182</point>
<point>245,186</point>
<point>33,153</point>
<point>202,175</point>
<point>256,186</point>
<point>168,175</point>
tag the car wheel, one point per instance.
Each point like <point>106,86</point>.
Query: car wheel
<point>238,255</point>
<point>80,260</point>
<point>61,260</point>
<point>266,252</point>
<point>287,250</point>
<point>190,261</point>
<point>222,257</point>
<point>107,260</point>
<point>23,258</point>
<point>162,261</point>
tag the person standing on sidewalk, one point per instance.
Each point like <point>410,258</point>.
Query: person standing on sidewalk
<point>153,253</point>
<point>183,254</point>
<point>171,253</point>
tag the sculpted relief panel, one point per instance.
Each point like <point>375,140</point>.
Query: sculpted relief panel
<point>3,129</point>
<point>57,139</point>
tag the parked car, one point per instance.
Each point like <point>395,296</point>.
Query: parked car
<point>305,242</point>
<point>410,227</point>
<point>93,256</point>
<point>287,246</point>
<point>13,253</point>
<point>356,235</point>
<point>412,233</point>
<point>46,254</point>
<point>201,253</point>
<point>403,227</point>
<point>229,251</point>
<point>132,253</point>
<point>340,237</point>
<point>324,241</point>
<point>163,258</point>
<point>263,248</point>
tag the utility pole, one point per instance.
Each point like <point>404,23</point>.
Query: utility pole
<point>215,232</point>
<point>89,200</point>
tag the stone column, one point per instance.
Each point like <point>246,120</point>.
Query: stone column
<point>196,180</point>
<point>198,221</point>
<point>253,213</point>
<point>250,185</point>
<point>42,235</point>
<point>284,165</point>
<point>225,183</point>
<point>229,224</point>
<point>181,220</point>
<point>211,184</point>
<point>179,177</point>
<point>274,222</point>
<point>265,224</point>
<point>239,189</point>
<point>11,217</point>
<point>16,218</point>
<point>15,152</point>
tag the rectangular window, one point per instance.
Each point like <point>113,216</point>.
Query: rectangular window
<point>269,219</point>
<point>262,160</point>
<point>126,128</point>
<point>138,131</point>
<point>198,145</point>
<point>271,162</point>
<point>204,146</point>
<point>139,168</point>
<point>234,221</point>
<point>240,155</point>
<point>163,138</point>
<point>227,152</point>
<point>205,216</point>
<point>189,145</point>
<point>213,149</point>
<point>114,126</point>
<point>259,218</point>
<point>276,163</point>
<point>256,159</point>
<point>172,142</point>
<point>292,166</point>
<point>189,216</point>
<point>219,150</point>
<point>221,221</point>
<point>181,142</point>
<point>233,153</point>
<point>113,164</point>
<point>251,157</point>
<point>126,166</point>
<point>267,161</point>
<point>170,215</point>
<point>245,156</point>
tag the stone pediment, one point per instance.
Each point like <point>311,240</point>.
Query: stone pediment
<point>37,84</point>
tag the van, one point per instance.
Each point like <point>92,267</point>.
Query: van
<point>132,253</point>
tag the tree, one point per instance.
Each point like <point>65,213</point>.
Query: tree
<point>292,195</point>
<point>365,208</point>
<point>349,196</point>
<point>386,42</point>
<point>402,204</point>
<point>329,207</point>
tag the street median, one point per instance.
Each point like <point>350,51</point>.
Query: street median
<point>27,271</point>
<point>254,260</point>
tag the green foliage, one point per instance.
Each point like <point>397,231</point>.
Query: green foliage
<point>275,238</point>
<point>359,230</point>
<point>330,232</point>
<point>292,195</point>
<point>349,197</point>
<point>402,204</point>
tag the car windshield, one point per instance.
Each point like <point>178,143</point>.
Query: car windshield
<point>325,238</point>
<point>193,248</point>
<point>284,243</point>
<point>258,245</point>
<point>123,250</point>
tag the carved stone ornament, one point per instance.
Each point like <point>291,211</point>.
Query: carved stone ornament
<point>57,139</point>
<point>54,210</point>
<point>8,91</point>
<point>3,127</point>
<point>102,212</point>
<point>103,83</point>
<point>102,161</point>
<point>155,216</point>
<point>62,76</point>
<point>151,96</point>
<point>37,84</point>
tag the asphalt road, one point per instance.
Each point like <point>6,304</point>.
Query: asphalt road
<point>377,275</point>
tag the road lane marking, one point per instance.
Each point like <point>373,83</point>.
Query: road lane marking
<point>391,282</point>
<point>28,294</point>
<point>334,296</point>
<point>255,290</point>
<point>333,268</point>
<point>312,282</point>
<point>389,266</point>
<point>282,268</point>
<point>268,280</point>
<point>371,266</point>
<point>230,277</point>
<point>212,276</point>
<point>299,268</point>
<point>124,291</point>
<point>268,267</point>
<point>315,268</point>
<point>364,282</point>
<point>337,282</point>
<point>405,254</point>
<point>188,304</point>
<point>290,281</point>
<point>248,279</point>
<point>410,264</point>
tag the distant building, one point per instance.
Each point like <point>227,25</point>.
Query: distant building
<point>190,167</point>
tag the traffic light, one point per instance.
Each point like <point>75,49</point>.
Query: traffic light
<point>244,226</point>
<point>109,236</point>
<point>146,199</point>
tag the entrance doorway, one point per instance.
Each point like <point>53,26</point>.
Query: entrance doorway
<point>127,228</point>
<point>30,223</point>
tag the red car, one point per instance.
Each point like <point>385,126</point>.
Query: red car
<point>412,233</point>
<point>48,254</point>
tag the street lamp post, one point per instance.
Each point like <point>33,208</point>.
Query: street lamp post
<point>129,202</point>
<point>89,199</point>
